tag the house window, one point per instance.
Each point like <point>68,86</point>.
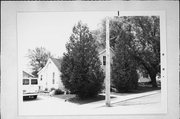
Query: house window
<point>104,60</point>
<point>34,81</point>
<point>53,81</point>
<point>41,77</point>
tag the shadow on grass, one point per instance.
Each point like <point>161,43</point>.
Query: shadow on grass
<point>89,100</point>
<point>140,89</point>
<point>73,99</point>
<point>143,89</point>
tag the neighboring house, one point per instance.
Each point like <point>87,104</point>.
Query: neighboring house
<point>102,57</point>
<point>49,76</point>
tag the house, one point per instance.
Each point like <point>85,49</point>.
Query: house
<point>102,57</point>
<point>49,76</point>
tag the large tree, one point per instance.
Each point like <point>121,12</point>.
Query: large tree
<point>38,58</point>
<point>144,45</point>
<point>124,74</point>
<point>81,67</point>
<point>147,44</point>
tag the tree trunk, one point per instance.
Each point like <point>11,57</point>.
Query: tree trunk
<point>153,79</point>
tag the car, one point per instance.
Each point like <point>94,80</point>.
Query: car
<point>30,88</point>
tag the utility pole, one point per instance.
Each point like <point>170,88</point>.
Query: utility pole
<point>107,64</point>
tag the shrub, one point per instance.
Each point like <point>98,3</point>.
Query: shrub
<point>58,92</point>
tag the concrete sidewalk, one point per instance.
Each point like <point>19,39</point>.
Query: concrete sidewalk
<point>120,98</point>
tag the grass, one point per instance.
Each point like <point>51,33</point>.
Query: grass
<point>72,98</point>
<point>143,89</point>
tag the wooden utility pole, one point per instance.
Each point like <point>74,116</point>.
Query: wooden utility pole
<point>107,65</point>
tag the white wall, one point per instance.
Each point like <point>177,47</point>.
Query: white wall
<point>47,80</point>
<point>101,58</point>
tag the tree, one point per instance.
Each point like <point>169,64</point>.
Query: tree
<point>80,68</point>
<point>144,45</point>
<point>38,59</point>
<point>147,52</point>
<point>124,74</point>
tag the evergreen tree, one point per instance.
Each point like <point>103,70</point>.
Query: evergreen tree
<point>81,71</point>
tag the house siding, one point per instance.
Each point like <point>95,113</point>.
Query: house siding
<point>101,59</point>
<point>47,77</point>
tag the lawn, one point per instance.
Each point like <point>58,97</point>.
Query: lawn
<point>72,98</point>
<point>143,89</point>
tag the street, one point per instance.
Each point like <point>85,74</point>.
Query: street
<point>137,103</point>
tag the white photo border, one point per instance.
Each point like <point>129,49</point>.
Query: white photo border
<point>9,50</point>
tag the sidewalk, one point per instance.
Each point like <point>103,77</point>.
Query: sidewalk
<point>120,98</point>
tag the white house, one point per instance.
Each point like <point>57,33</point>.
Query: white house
<point>102,57</point>
<point>49,76</point>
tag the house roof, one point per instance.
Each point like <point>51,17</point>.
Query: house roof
<point>104,50</point>
<point>57,62</point>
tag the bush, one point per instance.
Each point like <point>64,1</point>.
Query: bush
<point>58,92</point>
<point>81,67</point>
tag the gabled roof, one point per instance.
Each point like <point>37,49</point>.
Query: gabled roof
<point>104,50</point>
<point>57,62</point>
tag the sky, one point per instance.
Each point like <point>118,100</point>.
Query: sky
<point>51,30</point>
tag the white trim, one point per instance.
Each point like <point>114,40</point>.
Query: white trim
<point>105,51</point>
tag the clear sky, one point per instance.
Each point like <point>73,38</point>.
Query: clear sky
<point>52,29</point>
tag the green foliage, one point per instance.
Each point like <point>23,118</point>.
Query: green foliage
<point>80,68</point>
<point>144,45</point>
<point>38,58</point>
<point>124,75</point>
<point>58,92</point>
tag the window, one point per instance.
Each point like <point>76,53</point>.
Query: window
<point>34,81</point>
<point>104,60</point>
<point>41,77</point>
<point>25,81</point>
<point>53,81</point>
